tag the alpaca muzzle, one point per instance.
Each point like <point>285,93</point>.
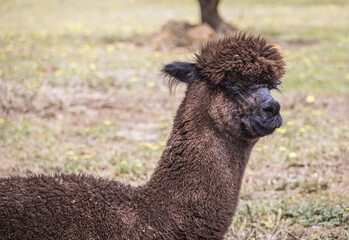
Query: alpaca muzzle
<point>266,126</point>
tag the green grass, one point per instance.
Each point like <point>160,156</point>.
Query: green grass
<point>78,94</point>
<point>309,214</point>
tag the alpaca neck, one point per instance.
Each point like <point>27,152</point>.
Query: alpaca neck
<point>200,172</point>
<point>204,162</point>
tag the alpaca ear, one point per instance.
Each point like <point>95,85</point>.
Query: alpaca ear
<point>180,71</point>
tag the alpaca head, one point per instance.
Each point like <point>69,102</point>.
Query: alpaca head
<point>237,73</point>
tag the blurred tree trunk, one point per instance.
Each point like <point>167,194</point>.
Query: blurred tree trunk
<point>209,15</point>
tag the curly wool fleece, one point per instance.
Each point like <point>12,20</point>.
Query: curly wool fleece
<point>241,59</point>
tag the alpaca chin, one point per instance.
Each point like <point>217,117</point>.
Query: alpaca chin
<point>262,128</point>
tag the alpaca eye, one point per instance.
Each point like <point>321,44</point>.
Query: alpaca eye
<point>230,86</point>
<point>232,90</point>
<point>236,93</point>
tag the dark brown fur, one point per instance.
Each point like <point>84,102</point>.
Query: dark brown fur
<point>241,59</point>
<point>193,192</point>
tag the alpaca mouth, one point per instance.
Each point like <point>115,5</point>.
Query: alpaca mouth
<point>265,127</point>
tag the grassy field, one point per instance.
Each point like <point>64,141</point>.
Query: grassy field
<point>78,94</point>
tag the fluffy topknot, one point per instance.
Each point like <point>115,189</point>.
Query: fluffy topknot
<point>241,59</point>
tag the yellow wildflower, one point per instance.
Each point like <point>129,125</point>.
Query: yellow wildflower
<point>157,54</point>
<point>307,62</point>
<point>282,149</point>
<point>333,120</point>
<point>31,85</point>
<point>87,156</point>
<point>290,123</point>
<point>138,164</point>
<point>151,84</point>
<point>314,175</point>
<point>60,72</point>
<point>70,153</point>
<point>344,127</point>
<point>292,155</point>
<point>73,65</point>
<point>123,162</point>
<point>110,48</point>
<point>281,130</point>
<point>146,144</point>
<point>9,48</point>
<point>154,147</point>
<point>302,130</point>
<point>121,45</point>
<point>308,126</point>
<point>148,63</point>
<point>107,122</point>
<point>310,99</point>
<point>2,120</point>
<point>92,66</point>
<point>74,158</point>
<point>317,113</point>
<point>134,79</point>
<point>3,57</point>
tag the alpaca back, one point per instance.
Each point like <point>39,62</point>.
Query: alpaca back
<point>64,207</point>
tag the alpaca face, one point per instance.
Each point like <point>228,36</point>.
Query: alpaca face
<point>258,112</point>
<point>245,113</point>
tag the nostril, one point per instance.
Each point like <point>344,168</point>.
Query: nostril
<point>272,108</point>
<point>269,109</point>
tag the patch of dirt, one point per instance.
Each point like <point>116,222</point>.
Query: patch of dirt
<point>322,232</point>
<point>176,34</point>
<point>51,102</point>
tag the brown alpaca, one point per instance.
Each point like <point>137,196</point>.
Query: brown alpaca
<point>193,192</point>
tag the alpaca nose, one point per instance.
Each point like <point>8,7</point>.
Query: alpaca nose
<point>271,107</point>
